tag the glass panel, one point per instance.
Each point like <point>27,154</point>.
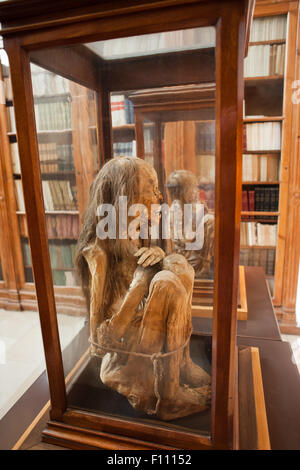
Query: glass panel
<point>137,271</point>
<point>149,44</point>
<point>137,310</point>
<point>66,120</point>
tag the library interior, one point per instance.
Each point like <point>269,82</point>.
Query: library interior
<point>150,225</point>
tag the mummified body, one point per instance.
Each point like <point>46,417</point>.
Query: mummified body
<point>140,304</point>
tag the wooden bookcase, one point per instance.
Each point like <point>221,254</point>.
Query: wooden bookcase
<point>68,157</point>
<point>269,99</point>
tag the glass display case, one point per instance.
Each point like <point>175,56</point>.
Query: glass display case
<point>151,96</point>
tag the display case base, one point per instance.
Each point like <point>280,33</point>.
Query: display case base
<point>81,431</point>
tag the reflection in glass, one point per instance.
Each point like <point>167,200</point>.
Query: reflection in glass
<point>60,105</point>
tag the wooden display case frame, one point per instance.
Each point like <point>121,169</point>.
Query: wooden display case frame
<point>204,288</point>
<point>26,34</point>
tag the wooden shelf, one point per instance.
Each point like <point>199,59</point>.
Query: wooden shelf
<point>261,152</point>
<point>125,127</point>
<point>264,78</point>
<point>258,247</point>
<point>269,41</point>
<point>53,213</point>
<point>259,213</point>
<point>262,183</point>
<point>263,119</point>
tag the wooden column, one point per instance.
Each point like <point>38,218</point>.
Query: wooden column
<point>229,103</point>
<point>292,246</point>
<point>287,138</point>
<point>33,196</point>
<point>105,123</point>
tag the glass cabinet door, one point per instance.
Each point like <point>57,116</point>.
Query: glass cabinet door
<point>173,141</point>
<point>66,124</point>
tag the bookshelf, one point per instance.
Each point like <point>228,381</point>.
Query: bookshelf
<point>123,124</point>
<point>268,99</point>
<point>264,69</point>
<point>68,153</point>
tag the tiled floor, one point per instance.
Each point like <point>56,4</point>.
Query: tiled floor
<point>21,351</point>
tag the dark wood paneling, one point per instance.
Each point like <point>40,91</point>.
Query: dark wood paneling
<point>170,69</point>
<point>76,63</point>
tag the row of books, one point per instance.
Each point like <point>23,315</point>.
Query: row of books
<point>155,43</point>
<point>259,257</point>
<point>44,83</point>
<point>54,158</point>
<point>265,60</point>
<point>122,112</point>
<point>260,199</point>
<point>54,115</point>
<point>256,234</point>
<point>205,137</point>
<point>256,167</point>
<point>262,136</point>
<point>125,148</point>
<point>59,226</point>
<point>58,196</point>
<point>62,262</point>
<point>47,83</point>
<point>268,28</point>
<point>261,167</point>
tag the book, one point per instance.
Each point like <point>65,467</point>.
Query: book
<point>118,114</point>
<point>53,115</point>
<point>265,60</point>
<point>19,196</point>
<point>245,205</point>
<point>263,136</point>
<point>263,167</point>
<point>125,148</point>
<point>15,159</point>
<point>258,234</point>
<point>253,256</point>
<point>205,137</point>
<point>11,121</point>
<point>46,83</point>
<point>268,28</point>
<point>206,167</point>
